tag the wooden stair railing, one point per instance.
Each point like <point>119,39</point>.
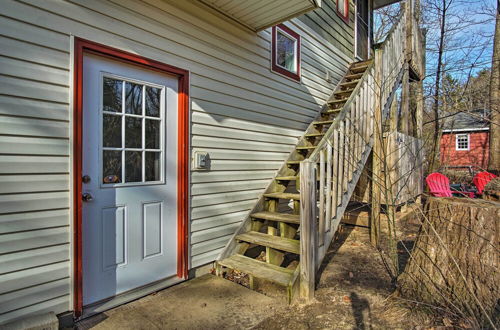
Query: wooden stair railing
<point>339,140</point>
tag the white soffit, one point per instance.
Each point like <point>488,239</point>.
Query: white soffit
<point>260,14</point>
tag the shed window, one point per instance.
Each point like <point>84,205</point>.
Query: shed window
<point>462,142</point>
<point>286,52</point>
<point>343,9</point>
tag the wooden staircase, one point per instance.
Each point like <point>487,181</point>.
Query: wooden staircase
<point>287,234</point>
<point>275,227</point>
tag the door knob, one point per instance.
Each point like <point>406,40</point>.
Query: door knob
<point>86,197</point>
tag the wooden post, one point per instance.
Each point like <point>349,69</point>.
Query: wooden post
<point>405,100</point>
<point>376,181</point>
<point>308,230</point>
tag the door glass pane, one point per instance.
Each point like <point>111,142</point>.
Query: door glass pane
<point>133,166</point>
<point>133,132</point>
<point>285,50</point>
<point>133,98</point>
<point>153,166</point>
<point>112,95</point>
<point>112,131</point>
<point>152,134</point>
<point>153,99</point>
<point>112,166</point>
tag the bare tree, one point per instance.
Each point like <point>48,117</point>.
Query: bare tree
<point>494,162</point>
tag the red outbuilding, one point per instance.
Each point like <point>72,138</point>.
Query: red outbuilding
<point>465,139</point>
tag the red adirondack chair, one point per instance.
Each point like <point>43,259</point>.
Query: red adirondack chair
<point>481,180</point>
<point>439,185</point>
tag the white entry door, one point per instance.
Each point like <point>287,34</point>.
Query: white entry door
<point>129,177</point>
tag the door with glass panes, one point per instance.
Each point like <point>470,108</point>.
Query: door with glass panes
<point>129,188</point>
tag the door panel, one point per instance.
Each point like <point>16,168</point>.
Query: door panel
<point>362,29</point>
<point>129,215</point>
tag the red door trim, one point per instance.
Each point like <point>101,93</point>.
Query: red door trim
<point>84,46</point>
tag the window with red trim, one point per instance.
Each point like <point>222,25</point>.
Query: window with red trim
<point>343,9</point>
<point>285,52</point>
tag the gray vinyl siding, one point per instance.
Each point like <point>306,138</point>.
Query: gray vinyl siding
<point>247,117</point>
<point>327,23</point>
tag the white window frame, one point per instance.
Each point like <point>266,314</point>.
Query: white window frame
<point>123,148</point>
<point>295,50</point>
<point>457,145</point>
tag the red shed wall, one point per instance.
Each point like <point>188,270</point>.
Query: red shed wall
<point>477,155</point>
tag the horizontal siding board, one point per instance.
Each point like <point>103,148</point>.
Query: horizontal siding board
<point>210,245</point>
<point>21,145</point>
<point>214,142</point>
<point>33,202</point>
<point>213,210</point>
<point>228,121</point>
<point>31,33</point>
<point>12,262</point>
<point>208,176</point>
<point>10,184</point>
<point>228,186</point>
<point>243,114</point>
<point>232,165</point>
<point>33,164</point>
<point>34,127</point>
<point>56,305</point>
<point>10,223</point>
<point>222,198</point>
<point>215,131</point>
<point>205,258</point>
<point>27,70</point>
<point>18,299</point>
<point>208,234</point>
<point>33,53</point>
<point>33,89</point>
<point>33,276</point>
<point>216,221</point>
<point>33,239</point>
<point>228,154</point>
<point>15,106</point>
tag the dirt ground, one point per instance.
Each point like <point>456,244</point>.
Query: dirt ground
<point>355,290</point>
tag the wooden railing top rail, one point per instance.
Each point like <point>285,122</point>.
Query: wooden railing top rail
<point>346,108</point>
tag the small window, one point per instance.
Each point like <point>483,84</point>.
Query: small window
<point>343,9</point>
<point>462,142</point>
<point>131,135</point>
<point>286,52</point>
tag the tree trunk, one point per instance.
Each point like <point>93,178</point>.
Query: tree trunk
<point>494,162</point>
<point>455,261</point>
<point>434,157</point>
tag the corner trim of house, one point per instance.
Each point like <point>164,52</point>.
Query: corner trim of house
<point>81,47</point>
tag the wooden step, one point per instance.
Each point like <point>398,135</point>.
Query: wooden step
<point>314,134</point>
<point>322,122</point>
<point>353,76</point>
<point>344,100</point>
<point>331,111</point>
<point>274,242</point>
<point>283,195</point>
<point>359,69</point>
<point>349,84</point>
<point>259,269</point>
<point>362,63</point>
<point>306,148</point>
<point>277,216</point>
<point>343,93</point>
<point>286,178</point>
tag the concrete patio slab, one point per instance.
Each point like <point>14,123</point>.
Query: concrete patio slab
<point>206,302</point>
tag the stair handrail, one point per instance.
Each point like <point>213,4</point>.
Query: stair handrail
<point>341,157</point>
